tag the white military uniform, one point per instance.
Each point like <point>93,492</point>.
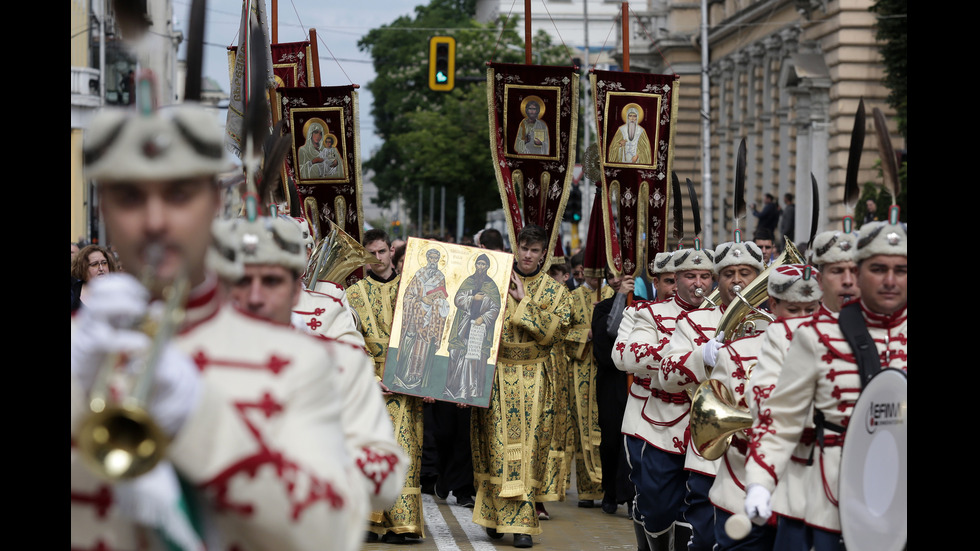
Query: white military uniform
<point>327,314</point>
<point>264,481</point>
<point>639,389</point>
<point>789,500</point>
<point>819,372</point>
<point>683,367</point>
<point>735,368</point>
<point>367,426</point>
<point>663,417</point>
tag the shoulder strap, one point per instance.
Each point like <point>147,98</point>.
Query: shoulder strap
<point>855,330</point>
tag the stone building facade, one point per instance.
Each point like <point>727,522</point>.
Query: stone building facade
<point>785,75</point>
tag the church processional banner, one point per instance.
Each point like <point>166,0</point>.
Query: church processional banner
<point>445,334</point>
<point>324,160</point>
<point>634,123</point>
<point>291,64</point>
<point>533,113</point>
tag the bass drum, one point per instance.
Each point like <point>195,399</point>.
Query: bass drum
<point>873,493</point>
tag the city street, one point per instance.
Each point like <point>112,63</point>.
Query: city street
<point>450,527</point>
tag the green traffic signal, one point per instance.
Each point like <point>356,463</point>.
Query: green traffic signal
<point>442,63</point>
<point>573,208</point>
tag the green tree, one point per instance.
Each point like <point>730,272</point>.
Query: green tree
<point>435,138</point>
<point>893,39</point>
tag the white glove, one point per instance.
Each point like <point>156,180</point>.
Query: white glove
<point>104,324</point>
<point>176,389</point>
<point>297,322</point>
<point>155,500</point>
<point>117,298</point>
<point>757,504</point>
<point>709,350</point>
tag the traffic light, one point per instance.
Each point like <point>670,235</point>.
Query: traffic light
<point>573,208</point>
<point>442,63</point>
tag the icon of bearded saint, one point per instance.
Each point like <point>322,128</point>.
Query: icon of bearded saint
<point>478,304</point>
<point>631,144</point>
<point>425,311</point>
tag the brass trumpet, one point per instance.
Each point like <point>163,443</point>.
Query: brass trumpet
<point>119,439</point>
<point>715,419</point>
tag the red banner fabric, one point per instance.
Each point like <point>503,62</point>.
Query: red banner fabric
<point>634,123</point>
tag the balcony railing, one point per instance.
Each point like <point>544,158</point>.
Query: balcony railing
<point>85,86</point>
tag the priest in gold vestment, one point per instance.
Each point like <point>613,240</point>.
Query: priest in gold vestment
<point>584,415</point>
<point>518,451</point>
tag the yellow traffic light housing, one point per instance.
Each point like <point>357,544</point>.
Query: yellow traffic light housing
<point>442,63</point>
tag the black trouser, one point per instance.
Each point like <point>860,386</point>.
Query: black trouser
<point>611,402</point>
<point>451,431</point>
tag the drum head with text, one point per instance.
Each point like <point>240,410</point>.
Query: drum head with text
<point>873,496</point>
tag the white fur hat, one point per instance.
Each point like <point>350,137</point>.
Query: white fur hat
<point>738,253</point>
<point>834,246</point>
<point>304,229</point>
<point>276,241</point>
<point>889,237</point>
<point>661,263</point>
<point>179,142</point>
<point>695,258</point>
<point>795,283</point>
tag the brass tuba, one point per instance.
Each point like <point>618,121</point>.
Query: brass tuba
<point>335,254</point>
<point>119,439</point>
<point>744,314</point>
<point>715,419</point>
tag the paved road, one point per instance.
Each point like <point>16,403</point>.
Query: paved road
<point>450,527</point>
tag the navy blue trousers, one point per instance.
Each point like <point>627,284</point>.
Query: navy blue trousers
<point>761,538</point>
<point>659,480</point>
<point>700,513</point>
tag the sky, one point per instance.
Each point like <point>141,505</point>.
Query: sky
<point>339,26</point>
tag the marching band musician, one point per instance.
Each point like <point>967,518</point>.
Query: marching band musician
<point>688,359</point>
<point>794,295</point>
<point>821,371</point>
<point>270,287</point>
<point>655,420</point>
<point>238,396</point>
<point>323,310</point>
<point>833,256</point>
<point>373,297</point>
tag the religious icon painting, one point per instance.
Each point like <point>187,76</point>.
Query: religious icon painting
<point>317,152</point>
<point>324,158</point>
<point>531,120</point>
<point>447,324</point>
<point>632,129</point>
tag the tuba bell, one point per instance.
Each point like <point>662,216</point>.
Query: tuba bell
<point>715,419</point>
<point>335,254</point>
<point>743,315</point>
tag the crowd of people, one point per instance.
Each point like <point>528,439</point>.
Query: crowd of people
<point>613,381</point>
